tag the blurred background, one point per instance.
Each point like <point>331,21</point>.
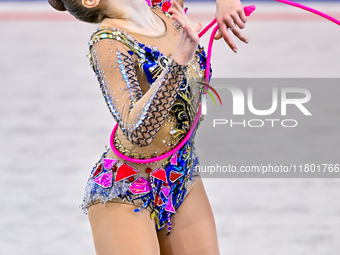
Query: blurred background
<point>55,125</point>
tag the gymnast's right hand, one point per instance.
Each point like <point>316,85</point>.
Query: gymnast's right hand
<point>188,38</point>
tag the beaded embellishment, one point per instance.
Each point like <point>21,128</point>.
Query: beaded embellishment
<point>163,192</point>
<point>164,5</point>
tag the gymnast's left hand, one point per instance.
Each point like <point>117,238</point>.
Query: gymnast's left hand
<point>230,14</point>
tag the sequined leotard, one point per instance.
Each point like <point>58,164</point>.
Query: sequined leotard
<point>155,101</point>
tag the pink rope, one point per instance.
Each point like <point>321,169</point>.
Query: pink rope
<point>207,69</point>
<point>145,161</point>
<point>206,28</point>
<point>310,10</point>
<point>247,10</point>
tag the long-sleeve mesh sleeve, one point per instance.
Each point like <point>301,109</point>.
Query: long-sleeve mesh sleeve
<point>139,116</point>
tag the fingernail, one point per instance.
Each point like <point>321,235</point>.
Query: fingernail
<point>247,41</point>
<point>235,50</point>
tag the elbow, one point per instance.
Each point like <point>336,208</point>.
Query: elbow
<point>141,138</point>
<point>141,134</point>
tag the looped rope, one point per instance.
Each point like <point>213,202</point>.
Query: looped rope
<point>247,10</point>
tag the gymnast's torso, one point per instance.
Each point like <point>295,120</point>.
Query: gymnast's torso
<point>127,65</point>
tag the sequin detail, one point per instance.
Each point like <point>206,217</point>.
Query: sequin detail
<point>139,120</point>
<point>163,192</point>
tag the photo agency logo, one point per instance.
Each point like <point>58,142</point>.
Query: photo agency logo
<point>205,85</point>
<point>261,142</point>
<point>273,102</point>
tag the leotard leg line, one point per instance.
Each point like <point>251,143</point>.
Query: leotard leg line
<point>113,180</point>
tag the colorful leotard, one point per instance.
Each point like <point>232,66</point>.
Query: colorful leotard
<point>155,101</point>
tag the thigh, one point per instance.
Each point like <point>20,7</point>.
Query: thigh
<point>193,227</point>
<point>116,229</point>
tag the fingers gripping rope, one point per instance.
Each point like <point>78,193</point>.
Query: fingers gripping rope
<point>248,10</point>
